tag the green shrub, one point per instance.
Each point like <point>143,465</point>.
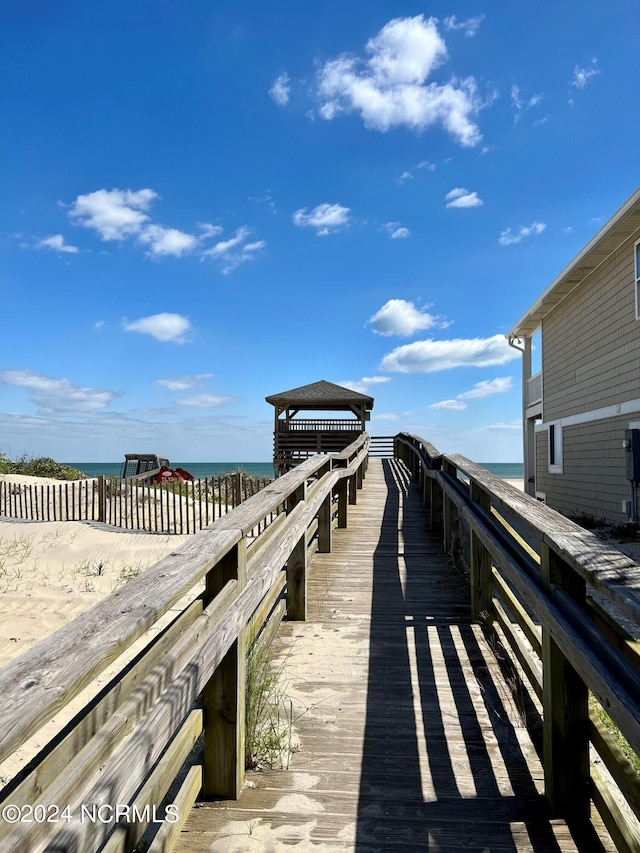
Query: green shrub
<point>41,466</point>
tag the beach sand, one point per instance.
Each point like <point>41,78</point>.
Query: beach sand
<point>51,571</point>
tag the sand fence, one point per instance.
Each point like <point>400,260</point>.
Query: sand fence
<point>173,508</point>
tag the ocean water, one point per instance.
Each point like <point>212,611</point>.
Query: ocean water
<point>505,470</point>
<point>200,470</point>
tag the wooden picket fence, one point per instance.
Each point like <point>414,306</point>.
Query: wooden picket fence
<point>131,504</point>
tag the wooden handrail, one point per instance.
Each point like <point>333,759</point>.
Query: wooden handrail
<point>115,743</point>
<point>531,570</point>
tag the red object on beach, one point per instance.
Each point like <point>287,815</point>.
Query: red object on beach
<point>185,474</point>
<point>167,475</point>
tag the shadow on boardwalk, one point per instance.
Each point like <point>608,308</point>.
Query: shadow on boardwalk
<point>409,738</point>
<point>446,763</point>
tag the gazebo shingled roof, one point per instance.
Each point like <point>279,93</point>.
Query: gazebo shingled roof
<point>321,395</point>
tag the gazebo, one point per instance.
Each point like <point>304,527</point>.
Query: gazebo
<point>295,439</point>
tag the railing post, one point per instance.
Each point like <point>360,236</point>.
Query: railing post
<point>435,505</point>
<point>237,488</point>
<point>565,701</point>
<point>324,518</point>
<point>297,566</point>
<point>102,500</point>
<point>224,696</point>
<point>343,488</point>
<point>353,488</point>
<point>481,575</point>
<point>449,514</point>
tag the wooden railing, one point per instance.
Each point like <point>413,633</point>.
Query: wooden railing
<point>131,504</point>
<point>102,775</point>
<point>559,602</point>
<point>320,425</point>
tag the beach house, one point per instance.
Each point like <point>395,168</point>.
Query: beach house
<point>580,412</point>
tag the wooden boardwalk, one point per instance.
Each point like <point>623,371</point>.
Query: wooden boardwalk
<point>409,738</point>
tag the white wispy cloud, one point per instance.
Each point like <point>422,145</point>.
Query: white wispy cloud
<point>400,317</point>
<point>205,401</point>
<point>163,327</point>
<point>460,197</point>
<point>470,25</point>
<point>404,177</point>
<point>184,383</point>
<point>487,388</point>
<point>396,231</point>
<point>363,385</point>
<point>431,356</point>
<point>521,104</point>
<point>426,164</point>
<point>390,88</point>
<point>453,405</point>
<point>208,231</point>
<point>281,89</point>
<point>57,396</point>
<point>236,250</point>
<point>581,76</point>
<point>325,218</point>
<point>58,244</point>
<point>509,237</point>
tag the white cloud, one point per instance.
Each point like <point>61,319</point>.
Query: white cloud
<point>430,356</point>
<point>470,25</point>
<point>57,243</point>
<point>362,385</point>
<point>114,214</point>
<point>167,241</point>
<point>162,327</point>
<point>235,251</point>
<point>453,405</point>
<point>396,231</point>
<point>183,383</point>
<point>385,416</point>
<point>57,395</point>
<point>487,388</point>
<point>389,88</point>
<point>425,164</point>
<point>520,105</point>
<point>120,214</point>
<point>207,230</point>
<point>404,177</point>
<point>509,237</point>
<point>325,218</point>
<point>460,197</point>
<point>581,76</point>
<point>399,317</point>
<point>281,89</point>
<point>205,401</point>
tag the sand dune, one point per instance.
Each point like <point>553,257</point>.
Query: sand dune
<point>51,571</point>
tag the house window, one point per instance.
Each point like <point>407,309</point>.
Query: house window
<point>637,270</point>
<point>555,448</point>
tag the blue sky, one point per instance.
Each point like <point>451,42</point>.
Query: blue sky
<point>207,203</point>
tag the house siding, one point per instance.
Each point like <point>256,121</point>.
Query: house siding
<point>593,481</point>
<point>591,341</point>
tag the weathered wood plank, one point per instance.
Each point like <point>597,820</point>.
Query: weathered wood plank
<point>407,737</point>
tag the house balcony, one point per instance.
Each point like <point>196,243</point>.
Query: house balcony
<point>533,398</point>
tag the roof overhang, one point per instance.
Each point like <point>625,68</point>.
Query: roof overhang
<point>622,225</point>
